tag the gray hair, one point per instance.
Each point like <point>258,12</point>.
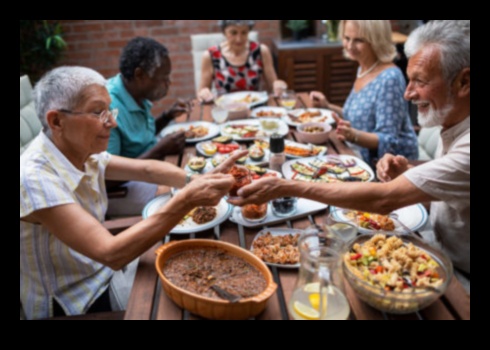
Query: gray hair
<point>377,32</point>
<point>223,23</point>
<point>452,37</point>
<point>60,89</point>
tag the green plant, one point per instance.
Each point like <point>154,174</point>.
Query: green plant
<point>41,46</point>
<point>297,25</point>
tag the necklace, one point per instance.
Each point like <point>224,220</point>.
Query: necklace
<point>360,75</point>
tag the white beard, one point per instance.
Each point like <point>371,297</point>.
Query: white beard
<point>434,117</point>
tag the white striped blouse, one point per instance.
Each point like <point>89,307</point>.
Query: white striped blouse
<point>49,269</point>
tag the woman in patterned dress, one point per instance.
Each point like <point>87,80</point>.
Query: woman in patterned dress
<point>375,115</point>
<point>237,64</point>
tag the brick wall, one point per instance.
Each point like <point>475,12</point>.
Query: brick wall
<point>98,44</point>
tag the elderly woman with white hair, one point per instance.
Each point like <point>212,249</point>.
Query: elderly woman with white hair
<point>67,257</point>
<point>237,64</point>
<point>375,115</point>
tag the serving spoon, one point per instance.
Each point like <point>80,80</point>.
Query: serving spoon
<point>223,294</point>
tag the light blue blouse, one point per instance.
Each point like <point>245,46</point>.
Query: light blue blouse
<point>379,107</point>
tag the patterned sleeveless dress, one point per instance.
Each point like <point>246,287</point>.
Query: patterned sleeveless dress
<point>228,78</point>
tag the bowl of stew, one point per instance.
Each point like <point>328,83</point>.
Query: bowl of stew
<point>188,269</point>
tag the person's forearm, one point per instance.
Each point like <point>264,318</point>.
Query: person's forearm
<point>162,173</point>
<point>365,139</point>
<point>370,197</point>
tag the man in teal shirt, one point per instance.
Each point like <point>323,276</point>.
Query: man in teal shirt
<point>144,77</point>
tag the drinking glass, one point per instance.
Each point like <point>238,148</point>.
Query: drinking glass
<point>288,99</point>
<point>219,114</point>
<point>341,226</point>
<point>319,291</point>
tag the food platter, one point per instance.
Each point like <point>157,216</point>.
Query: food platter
<point>307,115</point>
<point>250,129</point>
<point>304,207</point>
<point>212,130</point>
<point>413,217</point>
<point>223,211</point>
<point>268,112</point>
<point>296,150</point>
<point>328,168</point>
<point>279,233</point>
<point>251,98</point>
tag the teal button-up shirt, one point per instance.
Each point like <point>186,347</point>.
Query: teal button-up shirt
<point>135,132</point>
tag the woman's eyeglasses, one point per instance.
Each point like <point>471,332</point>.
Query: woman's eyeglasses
<point>102,116</point>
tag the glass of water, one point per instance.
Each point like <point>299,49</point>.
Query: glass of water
<point>219,114</point>
<point>340,225</point>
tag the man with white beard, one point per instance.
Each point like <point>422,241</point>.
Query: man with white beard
<point>439,73</point>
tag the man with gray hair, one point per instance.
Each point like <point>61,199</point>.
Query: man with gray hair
<point>439,73</point>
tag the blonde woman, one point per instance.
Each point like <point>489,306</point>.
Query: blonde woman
<point>375,114</point>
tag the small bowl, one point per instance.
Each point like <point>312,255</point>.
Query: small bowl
<point>237,110</point>
<point>413,299</point>
<point>317,137</point>
<point>208,307</point>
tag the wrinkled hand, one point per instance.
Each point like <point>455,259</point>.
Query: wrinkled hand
<point>224,168</point>
<point>259,191</point>
<point>178,108</point>
<point>278,87</point>
<point>173,143</point>
<point>318,99</point>
<point>344,131</point>
<point>205,96</point>
<point>207,190</point>
<point>389,167</point>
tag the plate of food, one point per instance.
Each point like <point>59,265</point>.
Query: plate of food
<point>198,219</point>
<point>258,172</point>
<point>251,98</point>
<point>218,145</point>
<point>307,115</point>
<point>412,217</point>
<point>268,112</point>
<point>278,247</point>
<point>194,131</point>
<point>250,129</point>
<point>300,150</point>
<point>328,168</point>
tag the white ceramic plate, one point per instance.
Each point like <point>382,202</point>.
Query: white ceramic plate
<point>413,217</point>
<point>224,210</point>
<point>279,232</point>
<point>257,98</point>
<point>213,130</point>
<point>202,153</point>
<point>225,131</point>
<point>278,112</point>
<point>325,117</point>
<point>304,146</point>
<point>288,172</point>
<point>304,207</point>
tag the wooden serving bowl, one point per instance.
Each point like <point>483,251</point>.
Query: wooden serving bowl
<point>210,308</point>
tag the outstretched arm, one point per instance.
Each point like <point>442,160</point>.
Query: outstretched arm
<point>204,94</point>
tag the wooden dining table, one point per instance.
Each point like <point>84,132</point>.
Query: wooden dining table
<point>148,300</point>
